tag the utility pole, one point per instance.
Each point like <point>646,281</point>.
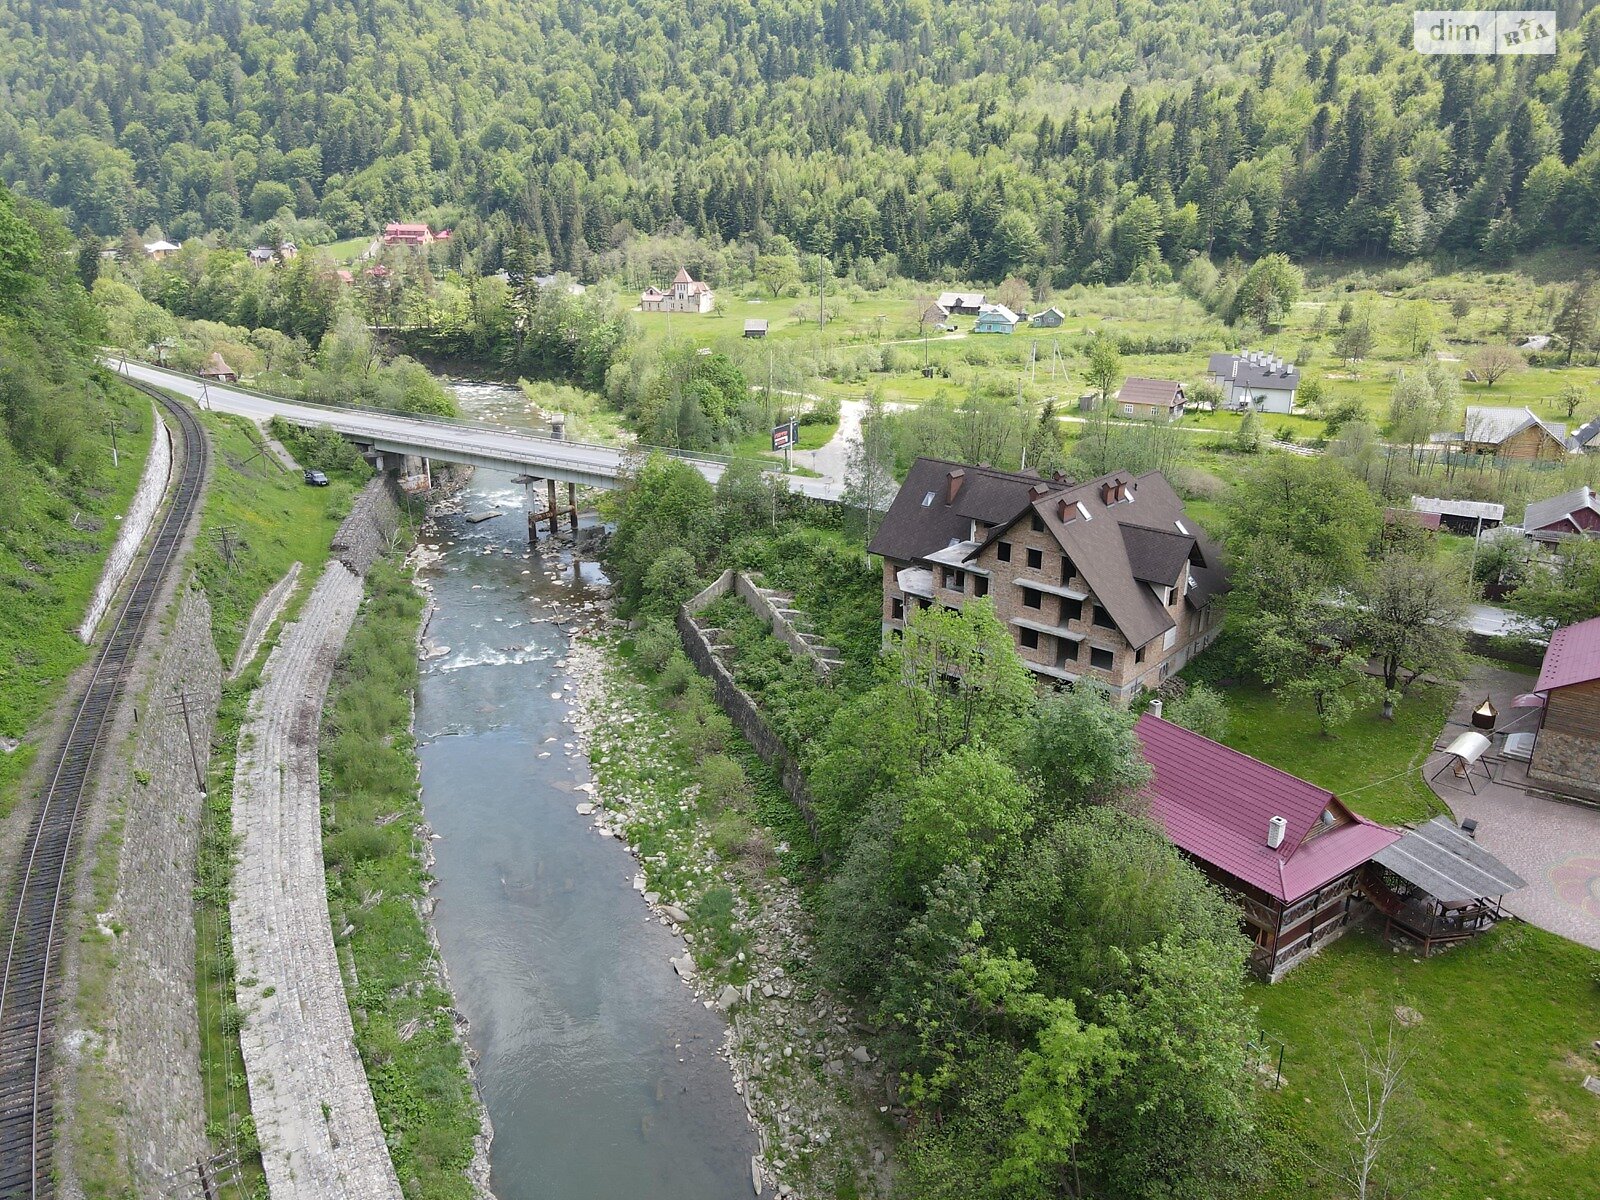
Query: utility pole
<point>116,461</point>
<point>180,702</point>
<point>224,535</point>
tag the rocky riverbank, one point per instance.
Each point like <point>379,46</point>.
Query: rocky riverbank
<point>824,1109</point>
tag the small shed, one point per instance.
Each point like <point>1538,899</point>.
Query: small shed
<point>1050,318</point>
<point>935,314</point>
<point>1566,750</point>
<point>216,368</point>
<point>756,327</point>
<point>1461,516</point>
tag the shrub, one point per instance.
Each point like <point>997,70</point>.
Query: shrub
<point>1201,709</point>
<point>655,645</point>
<point>722,781</point>
<point>678,673</point>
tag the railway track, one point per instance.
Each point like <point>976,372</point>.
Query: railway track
<point>37,909</point>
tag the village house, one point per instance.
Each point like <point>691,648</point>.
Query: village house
<point>1290,853</point>
<point>1585,438</point>
<point>935,314</point>
<point>685,294</point>
<point>414,234</point>
<point>217,370</point>
<point>1572,514</point>
<point>1050,318</point>
<point>1302,866</point>
<point>965,304</point>
<point>1566,748</point>
<point>1151,399</point>
<point>755,327</point>
<point>159,251</point>
<point>1255,379</point>
<point>1512,433</point>
<point>996,318</point>
<point>1108,580</point>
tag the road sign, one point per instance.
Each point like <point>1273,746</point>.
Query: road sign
<point>785,435</point>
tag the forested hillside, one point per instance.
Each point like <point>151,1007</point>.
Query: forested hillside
<point>62,495</point>
<point>1077,140</point>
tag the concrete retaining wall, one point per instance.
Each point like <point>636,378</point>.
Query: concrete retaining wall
<point>765,603</point>
<point>136,522</point>
<point>741,709</point>
<point>366,533</point>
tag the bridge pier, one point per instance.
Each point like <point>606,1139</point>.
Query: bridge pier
<point>553,509</point>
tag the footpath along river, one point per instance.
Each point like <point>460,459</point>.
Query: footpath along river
<point>599,1068</point>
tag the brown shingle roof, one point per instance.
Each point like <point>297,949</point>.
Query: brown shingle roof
<point>1139,390</point>
<point>912,529</point>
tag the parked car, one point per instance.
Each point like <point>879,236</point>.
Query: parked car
<point>316,479</point>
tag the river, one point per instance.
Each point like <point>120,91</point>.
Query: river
<point>599,1069</point>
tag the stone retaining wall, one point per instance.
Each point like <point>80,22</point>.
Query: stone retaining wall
<point>739,706</point>
<point>367,532</point>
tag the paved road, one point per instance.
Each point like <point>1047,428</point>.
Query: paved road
<point>471,443</point>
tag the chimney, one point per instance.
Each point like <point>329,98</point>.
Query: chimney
<point>1110,492</point>
<point>956,477</point>
<point>1066,511</point>
<point>1155,707</point>
<point>1275,831</point>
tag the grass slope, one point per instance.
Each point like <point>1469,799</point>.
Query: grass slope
<point>1493,1105</point>
<point>49,567</point>
<point>1374,765</point>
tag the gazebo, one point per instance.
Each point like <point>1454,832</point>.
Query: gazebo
<point>1437,886</point>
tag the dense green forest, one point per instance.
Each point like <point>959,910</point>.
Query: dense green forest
<point>63,493</point>
<point>1075,141</point>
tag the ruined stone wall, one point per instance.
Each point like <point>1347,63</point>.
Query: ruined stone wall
<point>734,701</point>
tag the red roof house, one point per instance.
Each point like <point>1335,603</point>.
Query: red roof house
<point>1291,852</point>
<point>402,233</point>
<point>1566,751</point>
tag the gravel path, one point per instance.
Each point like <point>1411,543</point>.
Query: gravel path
<point>319,1130</point>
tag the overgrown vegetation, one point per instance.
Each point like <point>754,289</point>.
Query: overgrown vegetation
<point>64,495</point>
<point>405,1027</point>
<point>960,816</point>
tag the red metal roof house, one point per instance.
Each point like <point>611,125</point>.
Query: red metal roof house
<point>1289,851</point>
<point>1566,752</point>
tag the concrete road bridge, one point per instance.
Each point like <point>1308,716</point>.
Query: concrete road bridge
<point>445,439</point>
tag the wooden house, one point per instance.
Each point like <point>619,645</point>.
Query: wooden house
<point>966,304</point>
<point>160,251</point>
<point>1512,433</point>
<point>217,370</point>
<point>1290,853</point>
<point>1566,749</point>
<point>756,327</point>
<point>1050,318</point>
<point>935,314</point>
<point>996,318</point>
<point>1150,399</point>
<point>1573,514</point>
